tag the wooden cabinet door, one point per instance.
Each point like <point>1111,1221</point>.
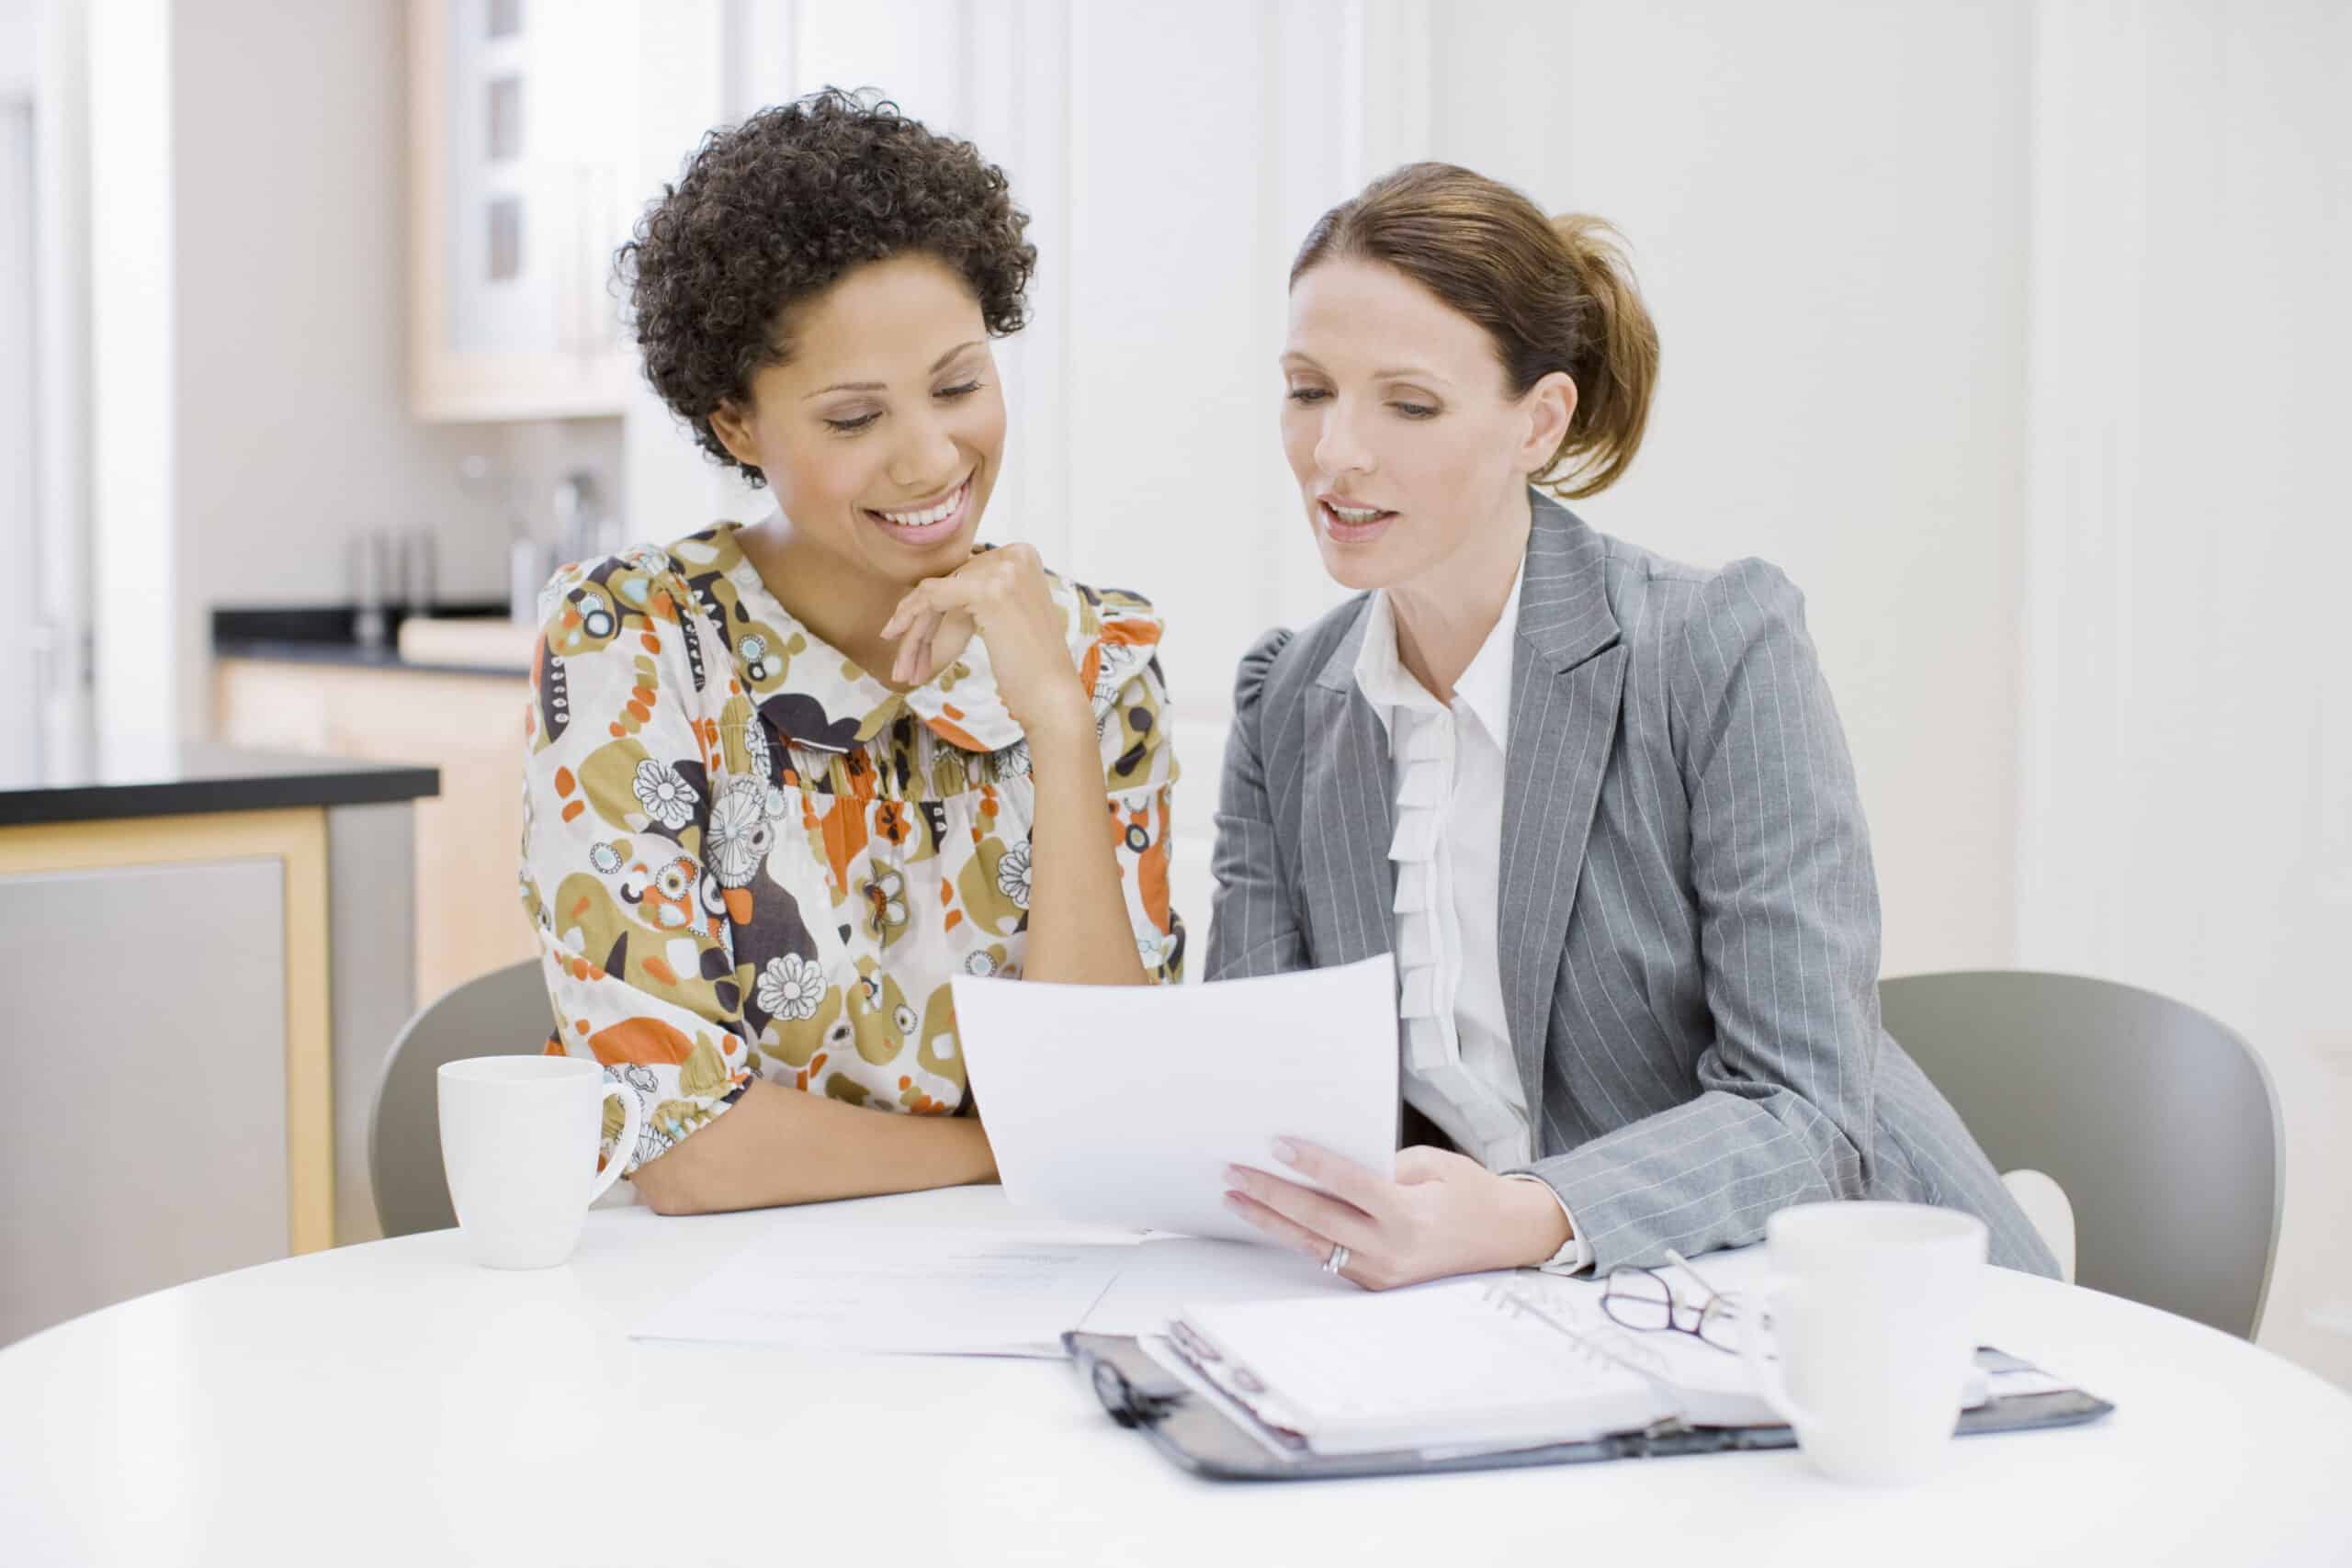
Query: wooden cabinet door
<point>272,707</point>
<point>468,913</point>
<point>522,145</point>
<point>469,916</point>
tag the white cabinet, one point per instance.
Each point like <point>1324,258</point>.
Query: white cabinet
<point>162,1158</point>
<point>524,143</point>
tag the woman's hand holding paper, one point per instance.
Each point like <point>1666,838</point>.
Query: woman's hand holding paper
<point>1443,1214</point>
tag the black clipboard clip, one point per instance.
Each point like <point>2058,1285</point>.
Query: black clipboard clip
<point>1127,1404</point>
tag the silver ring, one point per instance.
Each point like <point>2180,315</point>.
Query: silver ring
<point>1336,1261</point>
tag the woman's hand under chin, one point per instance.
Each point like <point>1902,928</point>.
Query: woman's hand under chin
<point>1000,595</point>
<point>1444,1214</point>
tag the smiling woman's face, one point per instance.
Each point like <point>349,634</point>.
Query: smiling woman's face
<point>1399,425</point>
<point>882,433</point>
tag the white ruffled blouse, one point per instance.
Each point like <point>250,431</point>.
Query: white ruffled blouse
<point>1448,767</point>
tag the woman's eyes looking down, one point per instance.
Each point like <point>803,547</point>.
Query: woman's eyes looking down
<point>945,394</point>
<point>1310,396</point>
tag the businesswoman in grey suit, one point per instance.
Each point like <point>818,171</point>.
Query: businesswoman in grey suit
<point>1598,804</point>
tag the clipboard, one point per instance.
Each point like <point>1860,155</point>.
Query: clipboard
<point>1201,1435</point>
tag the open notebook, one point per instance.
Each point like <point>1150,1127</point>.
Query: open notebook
<point>1492,1362</point>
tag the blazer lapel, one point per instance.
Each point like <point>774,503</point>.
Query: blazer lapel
<point>1567,676</point>
<point>1344,850</point>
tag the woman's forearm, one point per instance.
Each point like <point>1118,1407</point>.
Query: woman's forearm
<point>778,1145</point>
<point>1079,932</point>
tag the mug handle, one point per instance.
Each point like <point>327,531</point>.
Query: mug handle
<point>632,1123</point>
<point>1770,1381</point>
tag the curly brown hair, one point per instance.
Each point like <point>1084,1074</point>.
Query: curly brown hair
<point>771,212</point>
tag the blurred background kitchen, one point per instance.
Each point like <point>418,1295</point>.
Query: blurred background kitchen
<point>2014,332</point>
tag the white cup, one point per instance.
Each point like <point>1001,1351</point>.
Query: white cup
<point>519,1136</point>
<point>1873,1309</point>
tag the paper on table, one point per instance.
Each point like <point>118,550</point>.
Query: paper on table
<point>1124,1104</point>
<point>1444,1363</point>
<point>1163,1277</point>
<point>909,1290</point>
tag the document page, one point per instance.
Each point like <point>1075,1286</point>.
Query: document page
<point>920,1290</point>
<point>1124,1104</point>
<point>1165,1276</point>
<point>1448,1362</point>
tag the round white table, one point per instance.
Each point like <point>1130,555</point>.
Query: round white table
<point>392,1403</point>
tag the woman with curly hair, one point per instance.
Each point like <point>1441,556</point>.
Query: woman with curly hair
<point>787,778</point>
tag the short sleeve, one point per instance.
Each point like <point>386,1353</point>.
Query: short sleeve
<point>1140,774</point>
<point>631,689</point>
<point>1254,928</point>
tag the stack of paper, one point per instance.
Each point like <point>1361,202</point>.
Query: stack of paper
<point>1443,1364</point>
<point>1121,1107</point>
<point>929,1291</point>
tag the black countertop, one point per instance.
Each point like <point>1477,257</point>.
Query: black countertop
<point>350,656</point>
<point>119,779</point>
<point>328,634</point>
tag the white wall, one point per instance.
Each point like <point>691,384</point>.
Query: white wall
<point>2186,765</point>
<point>1178,245</point>
<point>685,58</point>
<point>146,640</point>
<point>289,122</point>
<point>19,356</point>
<point>1826,204</point>
<point>20,45</point>
<point>62,548</point>
<point>249,299</point>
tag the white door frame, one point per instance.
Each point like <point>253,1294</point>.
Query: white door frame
<point>21,638</point>
<point>57,302</point>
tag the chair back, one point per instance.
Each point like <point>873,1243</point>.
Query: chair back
<point>2160,1124</point>
<point>503,1012</point>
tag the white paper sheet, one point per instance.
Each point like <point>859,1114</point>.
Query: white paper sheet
<point>1443,1363</point>
<point>1123,1105</point>
<point>1163,1277</point>
<point>908,1289</point>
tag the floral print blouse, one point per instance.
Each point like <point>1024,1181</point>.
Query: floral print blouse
<point>746,857</point>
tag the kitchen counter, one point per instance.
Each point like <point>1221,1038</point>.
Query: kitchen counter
<point>227,934</point>
<point>328,635</point>
<point>122,779</point>
<point>280,685</point>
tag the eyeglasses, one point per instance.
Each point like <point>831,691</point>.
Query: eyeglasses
<point>1642,1299</point>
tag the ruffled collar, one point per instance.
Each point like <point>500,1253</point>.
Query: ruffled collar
<point>816,697</point>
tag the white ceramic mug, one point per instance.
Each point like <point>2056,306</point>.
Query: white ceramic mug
<point>1873,1309</point>
<point>519,1136</point>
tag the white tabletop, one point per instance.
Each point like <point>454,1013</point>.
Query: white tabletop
<point>392,1403</point>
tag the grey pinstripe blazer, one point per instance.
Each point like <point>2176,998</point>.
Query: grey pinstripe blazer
<point>1690,923</point>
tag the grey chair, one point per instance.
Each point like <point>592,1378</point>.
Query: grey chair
<point>503,1012</point>
<point>2161,1126</point>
